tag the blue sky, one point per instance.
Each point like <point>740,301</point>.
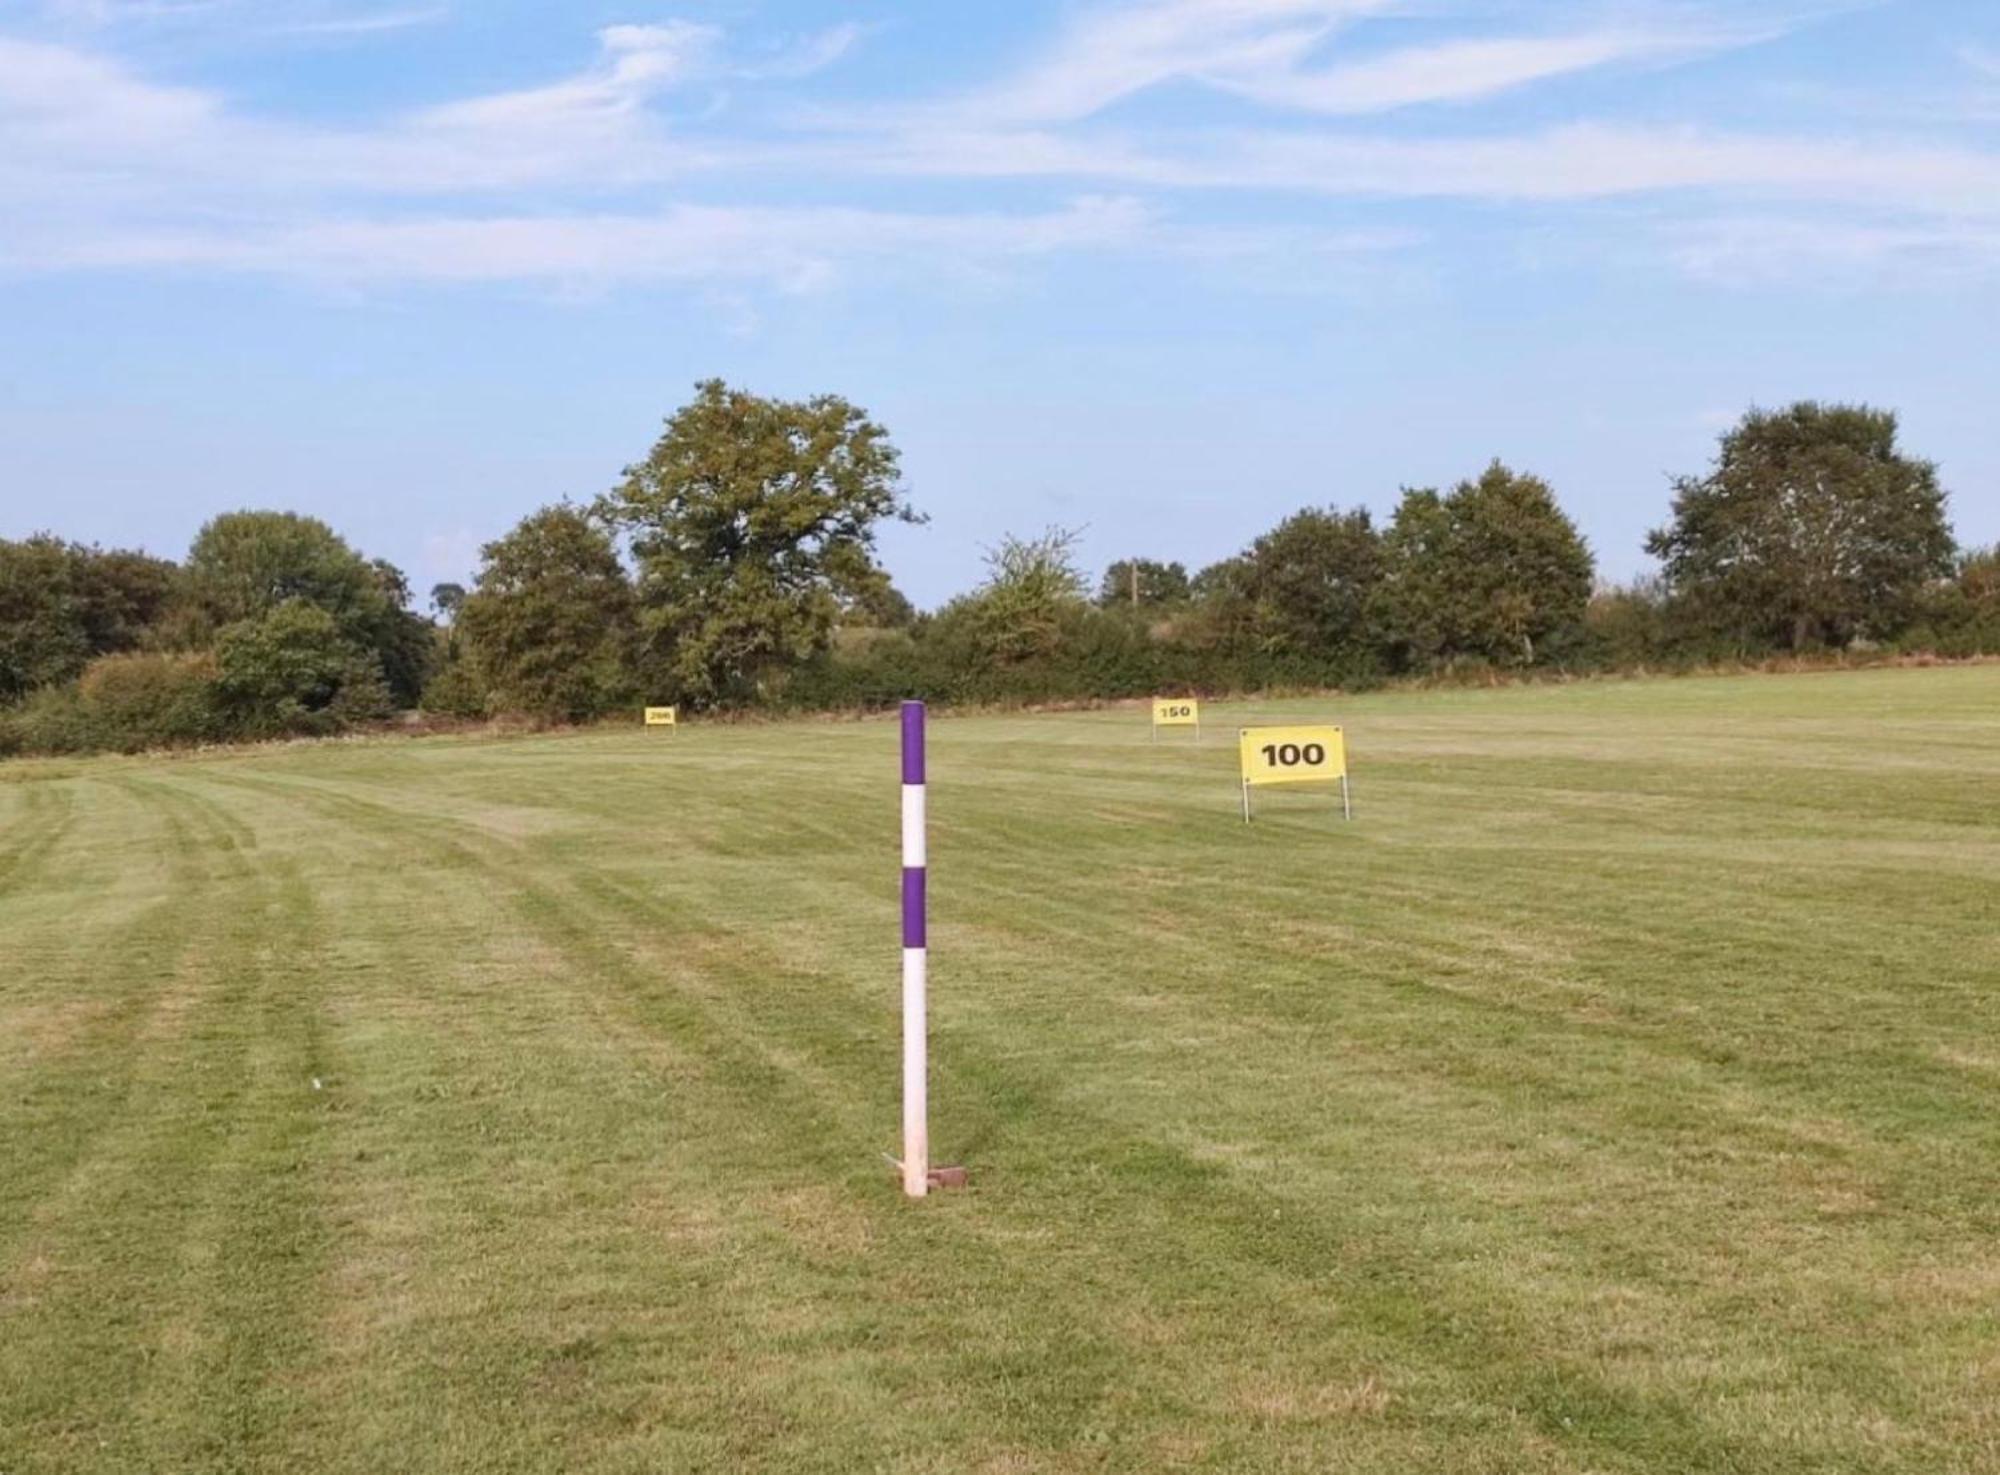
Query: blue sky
<point>1166,270</point>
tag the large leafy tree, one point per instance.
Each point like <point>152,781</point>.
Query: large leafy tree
<point>61,604</point>
<point>753,522</point>
<point>1811,528</point>
<point>1312,584</point>
<point>243,565</point>
<point>292,669</point>
<point>550,623</point>
<point>1488,571</point>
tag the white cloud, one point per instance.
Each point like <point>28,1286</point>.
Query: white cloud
<point>1267,50</point>
<point>1582,162</point>
<point>1462,71</point>
<point>1753,250</point>
<point>803,55</point>
<point>368,24</point>
<point>53,98</point>
<point>637,63</point>
<point>1108,54</point>
<point>792,250</point>
<point>102,167</point>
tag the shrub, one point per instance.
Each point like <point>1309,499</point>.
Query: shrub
<point>457,690</point>
<point>291,671</point>
<point>150,700</point>
<point>50,720</point>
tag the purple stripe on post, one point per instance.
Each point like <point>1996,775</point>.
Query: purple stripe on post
<point>913,906</point>
<point>913,742</point>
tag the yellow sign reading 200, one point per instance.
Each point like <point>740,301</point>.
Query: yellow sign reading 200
<point>663,717</point>
<point>1176,712</point>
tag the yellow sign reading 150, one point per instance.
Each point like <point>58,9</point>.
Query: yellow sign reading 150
<point>1176,712</point>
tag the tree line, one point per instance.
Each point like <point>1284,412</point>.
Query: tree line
<point>735,566</point>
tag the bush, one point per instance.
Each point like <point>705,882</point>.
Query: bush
<point>1624,627</point>
<point>148,700</point>
<point>457,690</point>
<point>121,704</point>
<point>50,720</point>
<point>291,671</point>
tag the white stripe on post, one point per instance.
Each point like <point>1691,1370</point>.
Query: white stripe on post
<point>916,1128</point>
<point>913,826</point>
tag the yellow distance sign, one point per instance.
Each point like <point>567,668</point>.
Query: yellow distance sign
<point>663,717</point>
<point>1177,712</point>
<point>1292,755</point>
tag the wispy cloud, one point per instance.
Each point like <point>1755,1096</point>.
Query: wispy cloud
<point>1289,54</point>
<point>598,176</point>
<point>367,24</point>
<point>637,63</point>
<point>1753,250</point>
<point>1468,70</point>
<point>1580,162</point>
<point>792,250</point>
<point>1110,53</point>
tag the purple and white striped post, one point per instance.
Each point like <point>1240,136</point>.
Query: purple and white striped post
<point>916,957</point>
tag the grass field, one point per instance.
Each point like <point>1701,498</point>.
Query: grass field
<point>1620,1091</point>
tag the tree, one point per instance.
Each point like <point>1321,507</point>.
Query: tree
<point>43,637</point>
<point>291,669</point>
<point>1420,595</point>
<point>1811,528</point>
<point>1489,571</point>
<point>550,624</point>
<point>1312,585</point>
<point>1144,581</point>
<point>243,565</point>
<point>403,640</point>
<point>1033,592</point>
<point>881,606</point>
<point>62,604</point>
<point>124,595</point>
<point>753,523</point>
<point>1960,616</point>
<point>447,599</point>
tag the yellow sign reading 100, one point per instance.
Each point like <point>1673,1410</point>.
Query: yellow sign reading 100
<point>663,717</point>
<point>1292,755</point>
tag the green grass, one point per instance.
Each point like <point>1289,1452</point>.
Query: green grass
<point>1619,1092</point>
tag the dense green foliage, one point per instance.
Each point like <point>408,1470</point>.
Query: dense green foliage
<point>292,670</point>
<point>61,604</point>
<point>752,523</point>
<point>273,626</point>
<point>551,623</point>
<point>244,565</point>
<point>1811,530</point>
<point>1489,572</point>
<point>735,567</point>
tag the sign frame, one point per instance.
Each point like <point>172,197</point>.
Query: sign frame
<point>1329,737</point>
<point>667,717</point>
